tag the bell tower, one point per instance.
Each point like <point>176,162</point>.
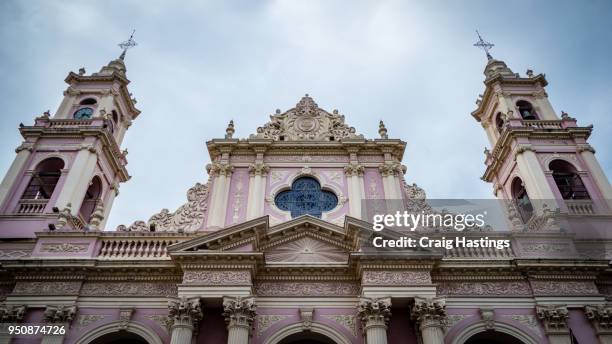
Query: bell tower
<point>68,169</point>
<point>538,158</point>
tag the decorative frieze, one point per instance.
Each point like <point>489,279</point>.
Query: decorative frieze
<point>394,278</point>
<point>306,289</point>
<point>239,311</point>
<point>564,288</point>
<point>486,288</point>
<point>47,288</point>
<point>64,247</point>
<point>554,318</point>
<point>184,312</point>
<point>59,314</point>
<point>128,289</point>
<point>217,277</point>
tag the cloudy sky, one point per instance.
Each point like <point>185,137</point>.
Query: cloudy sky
<point>200,64</point>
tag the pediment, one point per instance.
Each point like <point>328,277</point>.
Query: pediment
<point>306,249</point>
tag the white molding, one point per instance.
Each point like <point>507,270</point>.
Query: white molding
<point>318,302</point>
<point>315,327</point>
<point>147,334</point>
<point>481,326</point>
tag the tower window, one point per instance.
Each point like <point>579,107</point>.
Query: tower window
<point>499,122</point>
<point>521,199</point>
<point>44,179</point>
<point>306,197</point>
<point>88,101</point>
<point>92,197</point>
<point>115,116</point>
<point>526,110</point>
<point>568,181</point>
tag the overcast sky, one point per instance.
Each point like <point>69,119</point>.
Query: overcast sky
<point>200,64</point>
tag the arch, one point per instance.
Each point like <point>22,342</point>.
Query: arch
<point>499,122</point>
<point>481,326</point>
<point>315,327</point>
<point>521,199</point>
<point>134,328</point>
<point>568,180</point>
<point>526,110</point>
<point>306,196</point>
<point>44,179</point>
<point>88,101</point>
<point>91,198</point>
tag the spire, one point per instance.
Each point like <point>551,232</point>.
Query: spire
<point>484,45</point>
<point>130,43</point>
<point>118,65</point>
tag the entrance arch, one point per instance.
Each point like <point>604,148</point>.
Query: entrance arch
<point>480,333</point>
<point>318,333</point>
<point>113,333</point>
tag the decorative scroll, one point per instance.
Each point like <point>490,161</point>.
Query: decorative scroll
<point>47,288</point>
<point>264,322</point>
<point>217,277</point>
<point>306,289</point>
<point>86,319</point>
<point>558,288</point>
<point>64,247</point>
<point>187,218</point>
<point>59,314</point>
<point>306,122</point>
<point>345,320</point>
<point>239,311</point>
<point>476,288</point>
<point>396,277</point>
<point>128,289</point>
<point>374,312</point>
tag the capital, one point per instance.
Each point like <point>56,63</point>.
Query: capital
<point>219,169</point>
<point>11,313</point>
<point>429,312</point>
<point>184,312</point>
<point>554,318</point>
<point>600,316</point>
<point>59,314</point>
<point>392,168</point>
<point>374,312</point>
<point>239,311</point>
<point>258,169</point>
<point>353,169</point>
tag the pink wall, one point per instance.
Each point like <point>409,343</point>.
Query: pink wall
<point>212,329</point>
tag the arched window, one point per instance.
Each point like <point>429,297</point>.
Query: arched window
<point>92,196</point>
<point>306,197</point>
<point>88,101</point>
<point>526,110</point>
<point>568,181</point>
<point>45,178</point>
<point>115,117</point>
<point>523,203</point>
<point>499,122</point>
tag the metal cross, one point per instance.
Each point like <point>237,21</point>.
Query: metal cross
<point>484,45</point>
<point>130,43</point>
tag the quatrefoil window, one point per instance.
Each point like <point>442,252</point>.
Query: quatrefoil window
<point>306,197</point>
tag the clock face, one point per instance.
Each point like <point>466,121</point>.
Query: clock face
<point>84,113</point>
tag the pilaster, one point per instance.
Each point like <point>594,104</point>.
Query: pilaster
<point>375,315</point>
<point>554,318</point>
<point>183,316</point>
<point>588,155</point>
<point>58,315</point>
<point>239,313</point>
<point>221,173</point>
<point>601,318</point>
<point>257,180</point>
<point>9,314</point>
<point>354,173</point>
<point>13,173</point>
<point>430,315</point>
<point>77,181</point>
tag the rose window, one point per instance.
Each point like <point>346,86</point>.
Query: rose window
<point>306,197</point>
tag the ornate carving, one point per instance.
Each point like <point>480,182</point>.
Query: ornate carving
<point>306,121</point>
<point>239,311</point>
<point>600,316</point>
<point>128,289</point>
<point>59,314</point>
<point>429,312</point>
<point>11,313</point>
<point>306,250</point>
<point>47,288</point>
<point>184,312</point>
<point>389,277</point>
<point>345,320</point>
<point>86,319</point>
<point>392,168</point>
<point>476,288</point>
<point>187,218</point>
<point>374,312</point>
<point>125,315</point>
<point>258,168</point>
<point>306,315</point>
<point>64,247</point>
<point>453,319</point>
<point>554,318</point>
<point>488,317</point>
<point>217,277</point>
<point>97,216</point>
<point>353,169</point>
<point>12,254</point>
<point>528,321</point>
<point>306,289</point>
<point>160,320</point>
<point>219,169</point>
<point>558,288</point>
<point>265,321</point>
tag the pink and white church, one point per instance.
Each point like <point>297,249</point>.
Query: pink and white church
<point>270,249</point>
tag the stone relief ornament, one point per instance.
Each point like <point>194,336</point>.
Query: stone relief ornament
<point>306,289</point>
<point>59,314</point>
<point>11,313</point>
<point>306,122</point>
<point>239,311</point>
<point>600,316</point>
<point>187,218</point>
<point>217,277</point>
<point>11,254</point>
<point>85,320</point>
<point>345,320</point>
<point>184,312</point>
<point>374,312</point>
<point>47,288</point>
<point>554,318</point>
<point>306,250</point>
<point>160,320</point>
<point>264,322</point>
<point>128,289</point>
<point>518,288</point>
<point>528,321</point>
<point>429,312</point>
<point>396,277</point>
<point>64,247</point>
<point>557,288</point>
<point>454,319</point>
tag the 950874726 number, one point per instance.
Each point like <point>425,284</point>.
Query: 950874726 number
<point>33,330</point>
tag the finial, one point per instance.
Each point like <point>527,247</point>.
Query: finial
<point>229,132</point>
<point>484,45</point>
<point>130,43</point>
<point>382,130</point>
<point>82,71</point>
<point>529,73</point>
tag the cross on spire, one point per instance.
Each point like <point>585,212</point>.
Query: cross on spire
<point>484,45</point>
<point>130,43</point>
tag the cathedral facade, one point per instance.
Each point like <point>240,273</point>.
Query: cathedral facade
<point>274,247</point>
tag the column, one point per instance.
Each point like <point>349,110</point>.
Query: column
<point>58,315</point>
<point>239,313</point>
<point>221,172</point>
<point>375,314</point>
<point>77,181</point>
<point>532,174</point>
<point>258,172</point>
<point>108,204</point>
<point>429,314</point>
<point>601,318</point>
<point>183,317</point>
<point>354,173</point>
<point>554,318</point>
<point>588,155</point>
<point>13,173</point>
<point>9,314</point>
<point>390,172</point>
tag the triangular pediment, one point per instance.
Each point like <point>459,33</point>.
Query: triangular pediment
<point>305,248</point>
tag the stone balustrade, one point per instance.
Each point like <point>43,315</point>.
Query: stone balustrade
<point>135,247</point>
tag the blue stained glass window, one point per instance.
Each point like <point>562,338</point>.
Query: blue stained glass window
<point>306,197</point>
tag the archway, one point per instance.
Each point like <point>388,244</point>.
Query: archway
<point>502,333</point>
<point>307,338</point>
<point>318,334</point>
<point>116,333</point>
<point>493,337</point>
<point>120,338</point>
